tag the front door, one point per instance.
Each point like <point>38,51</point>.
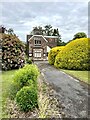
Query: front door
<point>37,54</point>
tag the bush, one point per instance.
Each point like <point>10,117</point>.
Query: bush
<point>26,76</point>
<point>13,55</point>
<point>52,54</point>
<point>74,55</point>
<point>26,98</point>
<point>28,61</point>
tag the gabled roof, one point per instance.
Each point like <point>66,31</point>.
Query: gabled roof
<point>38,36</point>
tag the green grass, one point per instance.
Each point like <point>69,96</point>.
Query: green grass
<point>81,75</point>
<point>6,78</point>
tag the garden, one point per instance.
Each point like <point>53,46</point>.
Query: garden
<point>21,91</point>
<point>19,79</point>
<point>72,58</point>
<point>22,94</point>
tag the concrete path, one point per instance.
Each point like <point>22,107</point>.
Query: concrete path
<point>71,92</point>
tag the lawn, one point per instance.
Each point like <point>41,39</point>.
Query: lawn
<point>5,80</point>
<point>81,75</point>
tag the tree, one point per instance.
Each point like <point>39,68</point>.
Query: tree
<point>48,30</point>
<point>56,33</point>
<point>80,35</point>
<point>10,31</point>
<point>37,31</point>
<point>41,30</point>
<point>63,43</point>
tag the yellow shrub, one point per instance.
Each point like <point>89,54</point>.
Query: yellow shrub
<point>75,55</point>
<point>52,54</point>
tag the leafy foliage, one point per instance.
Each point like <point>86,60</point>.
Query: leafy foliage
<point>13,52</point>
<point>29,61</point>
<point>75,55</point>
<point>48,30</point>
<point>80,35</point>
<point>52,54</point>
<point>37,31</point>
<point>60,42</point>
<point>26,98</point>
<point>56,33</point>
<point>26,76</point>
<point>10,31</point>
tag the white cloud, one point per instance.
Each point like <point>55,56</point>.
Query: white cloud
<point>69,17</point>
<point>45,1</point>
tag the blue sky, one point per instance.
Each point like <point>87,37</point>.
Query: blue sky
<point>69,17</point>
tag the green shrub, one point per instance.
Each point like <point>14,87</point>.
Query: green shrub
<point>13,52</point>
<point>28,61</point>
<point>26,76</point>
<point>26,98</point>
<point>52,54</point>
<point>74,55</point>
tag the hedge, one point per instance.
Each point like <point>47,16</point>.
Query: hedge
<point>75,55</point>
<point>52,54</point>
<point>26,98</point>
<point>26,76</point>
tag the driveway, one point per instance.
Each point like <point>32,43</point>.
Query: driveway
<point>71,92</point>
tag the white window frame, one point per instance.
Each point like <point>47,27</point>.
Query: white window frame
<point>37,41</point>
<point>38,53</point>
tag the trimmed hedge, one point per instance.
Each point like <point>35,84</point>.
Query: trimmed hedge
<point>52,54</point>
<point>26,76</point>
<point>26,98</point>
<point>75,55</point>
<point>13,52</point>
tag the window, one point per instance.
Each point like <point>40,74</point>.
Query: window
<point>37,42</point>
<point>37,53</point>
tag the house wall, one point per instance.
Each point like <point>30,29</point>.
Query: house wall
<point>46,42</point>
<point>42,48</point>
<point>27,47</point>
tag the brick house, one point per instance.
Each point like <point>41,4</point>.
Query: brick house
<point>38,46</point>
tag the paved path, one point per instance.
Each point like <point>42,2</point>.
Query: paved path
<point>70,91</point>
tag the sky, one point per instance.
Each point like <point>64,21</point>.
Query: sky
<point>68,17</point>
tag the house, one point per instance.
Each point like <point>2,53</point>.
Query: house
<point>38,46</point>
